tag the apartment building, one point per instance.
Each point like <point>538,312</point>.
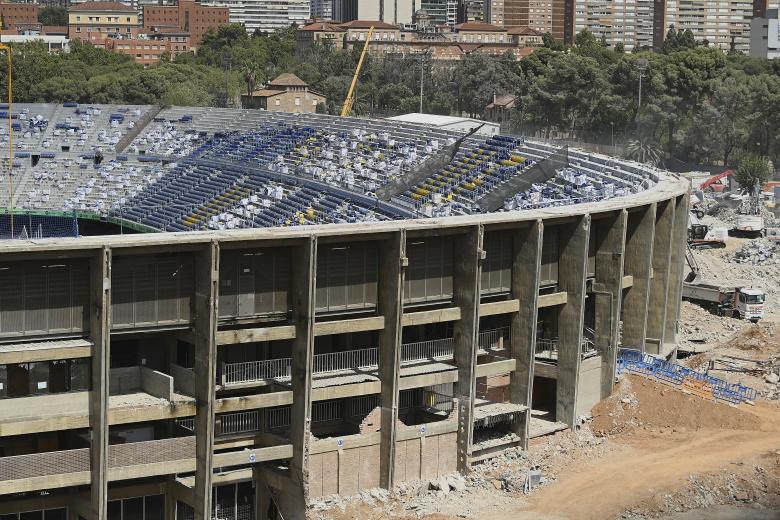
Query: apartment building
<point>322,9</point>
<point>14,14</point>
<point>388,11</point>
<point>265,16</point>
<point>630,23</point>
<point>765,35</point>
<point>95,22</point>
<point>722,23</point>
<point>442,12</point>
<point>494,12</point>
<point>554,16</point>
<point>188,16</point>
<point>471,11</point>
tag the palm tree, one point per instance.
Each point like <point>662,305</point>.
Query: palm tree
<point>250,76</point>
<point>643,150</point>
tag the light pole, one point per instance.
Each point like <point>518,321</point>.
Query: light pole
<point>612,131</point>
<point>7,50</point>
<point>641,66</point>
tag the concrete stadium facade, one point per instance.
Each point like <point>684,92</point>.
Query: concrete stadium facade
<point>232,374</point>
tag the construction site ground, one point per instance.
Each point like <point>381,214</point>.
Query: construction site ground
<point>648,451</point>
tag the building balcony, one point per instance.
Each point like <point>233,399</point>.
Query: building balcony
<point>137,394</point>
<point>547,349</point>
<point>361,365</point>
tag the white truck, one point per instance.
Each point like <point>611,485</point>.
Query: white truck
<point>745,303</point>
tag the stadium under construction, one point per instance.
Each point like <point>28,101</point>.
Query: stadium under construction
<point>290,307</point>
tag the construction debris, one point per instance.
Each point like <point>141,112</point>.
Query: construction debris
<point>758,252</point>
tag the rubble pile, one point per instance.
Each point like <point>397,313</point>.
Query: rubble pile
<point>758,252</point>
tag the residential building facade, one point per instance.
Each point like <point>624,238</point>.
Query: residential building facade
<point>554,16</point>
<point>266,16</point>
<point>15,14</point>
<point>388,11</point>
<point>765,35</point>
<point>322,9</point>
<point>187,17</point>
<point>96,21</point>
<point>442,12</point>
<point>494,12</point>
<point>630,22</point>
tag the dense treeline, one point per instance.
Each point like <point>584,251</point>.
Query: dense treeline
<point>699,104</point>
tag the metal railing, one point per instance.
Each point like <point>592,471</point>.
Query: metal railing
<point>248,371</point>
<point>324,411</point>
<point>548,348</point>
<point>240,422</point>
<point>365,359</point>
<point>278,418</point>
<point>437,401</point>
<point>346,360</point>
<point>434,349</point>
<point>362,405</point>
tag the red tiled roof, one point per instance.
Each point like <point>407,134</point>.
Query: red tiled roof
<point>54,29</point>
<point>524,31</point>
<point>287,80</point>
<point>322,26</point>
<point>477,26</point>
<point>102,6</point>
<point>365,24</point>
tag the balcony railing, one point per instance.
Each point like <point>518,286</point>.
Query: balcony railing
<point>547,349</point>
<point>240,422</point>
<point>359,359</point>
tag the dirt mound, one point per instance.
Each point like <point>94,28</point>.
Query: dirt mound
<point>641,403</point>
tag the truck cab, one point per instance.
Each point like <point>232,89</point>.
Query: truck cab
<point>750,304</point>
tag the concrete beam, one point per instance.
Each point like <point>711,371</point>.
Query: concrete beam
<point>329,328</point>
<point>205,319</point>
<point>100,320</point>
<point>662,252</point>
<point>676,267</point>
<point>31,352</point>
<point>391,288</point>
<point>640,233</point>
<point>304,268</point>
<point>526,259</point>
<point>628,281</point>
<point>495,308</point>
<point>466,282</point>
<point>552,299</point>
<point>610,253</point>
<point>435,316</point>
<point>571,278</point>
<point>256,335</point>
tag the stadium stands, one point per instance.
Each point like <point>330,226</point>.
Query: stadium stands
<point>207,168</point>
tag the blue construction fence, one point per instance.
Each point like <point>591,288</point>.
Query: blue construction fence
<point>683,378</point>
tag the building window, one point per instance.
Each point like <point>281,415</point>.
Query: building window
<point>277,102</point>
<point>297,102</point>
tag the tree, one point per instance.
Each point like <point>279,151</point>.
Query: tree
<point>752,170</point>
<point>643,150</point>
<point>53,15</point>
<point>619,48</point>
<point>549,42</point>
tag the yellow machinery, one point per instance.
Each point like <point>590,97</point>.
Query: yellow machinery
<point>7,50</point>
<point>350,100</point>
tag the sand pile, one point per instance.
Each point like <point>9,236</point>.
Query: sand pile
<point>641,403</point>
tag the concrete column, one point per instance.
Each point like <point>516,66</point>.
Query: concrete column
<point>466,282</point>
<point>662,251</point>
<point>170,505</point>
<point>391,287</point>
<point>608,292</point>
<point>100,334</point>
<point>638,264</point>
<point>526,259</point>
<point>262,493</point>
<point>572,270</point>
<point>677,269</point>
<point>205,328</point>
<point>304,270</point>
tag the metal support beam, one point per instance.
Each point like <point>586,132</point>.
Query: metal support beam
<point>100,334</point>
<point>638,264</point>
<point>466,282</point>
<point>608,292</point>
<point>662,251</point>
<point>572,269</point>
<point>304,268</point>
<point>391,287</point>
<point>676,267</point>
<point>526,259</point>
<point>205,328</point>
